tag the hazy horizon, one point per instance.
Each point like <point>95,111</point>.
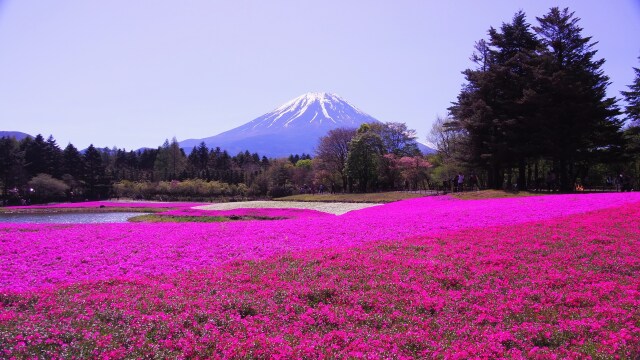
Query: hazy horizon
<point>133,74</point>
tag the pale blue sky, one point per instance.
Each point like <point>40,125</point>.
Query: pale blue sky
<point>132,73</point>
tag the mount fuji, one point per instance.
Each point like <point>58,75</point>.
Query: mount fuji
<point>293,128</point>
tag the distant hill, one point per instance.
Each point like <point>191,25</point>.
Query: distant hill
<point>15,134</point>
<point>293,128</point>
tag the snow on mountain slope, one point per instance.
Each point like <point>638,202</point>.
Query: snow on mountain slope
<point>311,112</point>
<point>293,128</point>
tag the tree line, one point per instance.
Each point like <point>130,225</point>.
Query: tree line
<point>535,108</point>
<point>376,156</point>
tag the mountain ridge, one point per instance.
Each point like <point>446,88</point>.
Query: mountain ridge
<point>292,128</point>
<point>18,135</point>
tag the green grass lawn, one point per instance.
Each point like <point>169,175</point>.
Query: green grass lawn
<point>492,194</point>
<point>83,210</point>
<point>387,197</point>
<point>382,197</point>
<point>153,218</point>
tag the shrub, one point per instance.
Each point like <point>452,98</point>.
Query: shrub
<point>47,188</point>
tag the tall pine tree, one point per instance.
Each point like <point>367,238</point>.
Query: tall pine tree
<point>72,162</point>
<point>11,165</point>
<point>36,156</point>
<point>493,106</point>
<point>633,100</point>
<point>578,118</point>
<point>94,176</point>
<point>632,132</point>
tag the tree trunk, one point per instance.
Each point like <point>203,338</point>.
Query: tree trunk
<point>529,176</point>
<point>535,173</point>
<point>497,178</point>
<point>564,183</point>
<point>522,165</point>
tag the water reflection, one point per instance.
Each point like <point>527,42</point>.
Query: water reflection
<point>69,218</point>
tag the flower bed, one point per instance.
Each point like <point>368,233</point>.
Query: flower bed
<point>566,288</point>
<point>37,255</point>
<point>539,277</point>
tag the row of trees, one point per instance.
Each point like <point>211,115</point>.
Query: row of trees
<point>536,99</point>
<point>39,170</point>
<point>38,164</point>
<point>376,156</point>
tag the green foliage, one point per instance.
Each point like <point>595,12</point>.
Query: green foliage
<point>153,218</point>
<point>72,162</point>
<point>47,188</point>
<point>538,93</point>
<point>304,164</point>
<point>380,197</point>
<point>396,138</point>
<point>11,164</point>
<point>278,191</point>
<point>167,190</point>
<point>364,157</point>
<point>632,97</point>
<point>97,183</point>
<point>170,161</point>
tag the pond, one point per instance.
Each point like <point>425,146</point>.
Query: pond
<point>69,218</point>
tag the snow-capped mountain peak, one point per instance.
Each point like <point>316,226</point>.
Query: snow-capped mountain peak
<point>293,128</point>
<point>315,109</point>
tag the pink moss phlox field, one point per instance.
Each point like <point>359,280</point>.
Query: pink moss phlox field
<point>274,213</point>
<point>110,204</point>
<point>41,255</point>
<point>561,287</point>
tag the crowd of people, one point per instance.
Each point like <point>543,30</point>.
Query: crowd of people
<point>622,182</point>
<point>457,183</point>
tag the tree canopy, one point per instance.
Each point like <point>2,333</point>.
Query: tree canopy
<point>537,93</point>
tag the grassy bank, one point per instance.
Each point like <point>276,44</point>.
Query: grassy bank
<point>153,218</point>
<point>83,210</point>
<point>383,197</point>
<point>492,194</point>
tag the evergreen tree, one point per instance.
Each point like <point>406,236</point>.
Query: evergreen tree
<point>147,160</point>
<point>171,161</point>
<point>198,161</point>
<point>632,132</point>
<point>493,107</point>
<point>94,175</point>
<point>578,118</point>
<point>11,165</point>
<point>264,162</point>
<point>515,54</point>
<point>72,162</point>
<point>36,156</point>
<point>293,159</point>
<point>53,158</point>
<point>633,99</point>
<point>536,97</point>
<point>202,157</point>
<point>220,164</point>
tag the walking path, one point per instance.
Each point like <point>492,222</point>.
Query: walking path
<point>336,208</point>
